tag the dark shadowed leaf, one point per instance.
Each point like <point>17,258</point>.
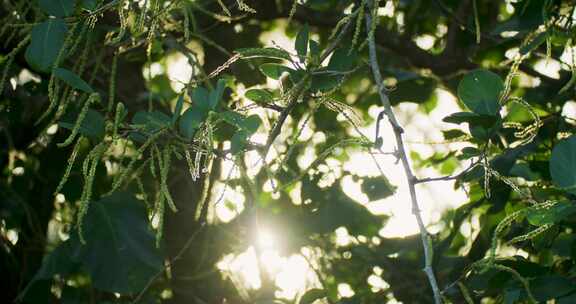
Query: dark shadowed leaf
<point>301,43</point>
<point>93,126</point>
<point>46,41</point>
<point>72,80</point>
<point>120,252</point>
<point>272,53</point>
<point>274,70</point>
<point>551,215</point>
<point>563,164</point>
<point>57,8</point>
<point>312,295</point>
<point>377,187</point>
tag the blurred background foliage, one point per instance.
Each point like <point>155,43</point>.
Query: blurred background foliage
<point>281,191</point>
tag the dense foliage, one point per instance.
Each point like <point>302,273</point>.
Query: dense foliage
<point>113,171</point>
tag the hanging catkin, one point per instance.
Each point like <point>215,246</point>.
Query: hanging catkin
<point>94,97</point>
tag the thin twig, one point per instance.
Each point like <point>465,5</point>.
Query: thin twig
<point>426,240</point>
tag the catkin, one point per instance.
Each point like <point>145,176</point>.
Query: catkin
<point>112,87</point>
<point>94,97</point>
<point>89,168</point>
<point>117,119</point>
<point>164,161</point>
<point>10,59</point>
<point>69,166</point>
<point>358,28</point>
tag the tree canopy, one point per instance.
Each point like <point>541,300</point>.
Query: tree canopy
<point>217,151</point>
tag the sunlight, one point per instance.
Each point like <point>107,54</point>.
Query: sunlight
<point>292,274</point>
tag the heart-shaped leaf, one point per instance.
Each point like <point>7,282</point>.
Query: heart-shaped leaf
<point>479,90</point>
<point>563,164</point>
<point>46,41</point>
<point>120,252</point>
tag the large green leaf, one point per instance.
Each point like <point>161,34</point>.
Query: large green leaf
<point>57,8</point>
<point>479,90</point>
<point>120,252</point>
<point>190,121</point>
<point>377,187</point>
<point>312,296</point>
<point>93,126</point>
<point>301,43</point>
<point>47,39</point>
<point>272,53</point>
<point>342,60</point>
<point>73,80</point>
<point>217,93</point>
<point>258,95</point>
<point>551,215</point>
<point>274,70</point>
<point>563,164</point>
<point>251,124</point>
<point>151,122</point>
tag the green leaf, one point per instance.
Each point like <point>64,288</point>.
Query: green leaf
<point>233,118</point>
<point>178,109</point>
<point>274,70</point>
<point>251,124</point>
<point>89,4</point>
<point>73,80</point>
<point>57,8</point>
<point>552,286</point>
<point>452,134</point>
<point>47,39</point>
<point>190,121</point>
<point>216,95</point>
<point>377,187</point>
<point>479,90</point>
<point>272,53</point>
<point>238,141</point>
<point>259,96</point>
<point>314,50</point>
<point>563,164</point>
<point>554,214</point>
<point>534,43</point>
<point>93,126</point>
<point>201,98</point>
<point>120,252</point>
<point>301,43</point>
<point>342,60</point>
<point>312,295</point>
<point>151,122</point>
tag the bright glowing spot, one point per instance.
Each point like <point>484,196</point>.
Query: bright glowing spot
<point>569,110</point>
<point>266,239</point>
<point>550,68</point>
<point>387,10</point>
<point>244,265</point>
<point>342,237</point>
<point>179,71</point>
<point>425,42</point>
<point>18,171</point>
<point>52,129</point>
<point>345,291</point>
<point>60,198</point>
<point>12,236</point>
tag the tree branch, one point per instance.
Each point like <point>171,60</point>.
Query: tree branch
<point>426,240</point>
